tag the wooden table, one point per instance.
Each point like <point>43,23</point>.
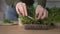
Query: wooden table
<point>15,29</point>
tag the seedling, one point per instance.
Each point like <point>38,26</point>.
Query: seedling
<point>7,21</point>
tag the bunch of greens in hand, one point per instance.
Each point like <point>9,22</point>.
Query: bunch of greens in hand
<point>31,18</point>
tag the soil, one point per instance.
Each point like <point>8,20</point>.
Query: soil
<point>36,27</point>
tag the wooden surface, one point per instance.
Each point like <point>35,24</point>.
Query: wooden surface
<point>15,29</point>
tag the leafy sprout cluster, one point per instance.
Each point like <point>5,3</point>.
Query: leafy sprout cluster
<point>53,17</point>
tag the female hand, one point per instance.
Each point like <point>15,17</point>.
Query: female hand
<point>21,9</point>
<point>41,12</point>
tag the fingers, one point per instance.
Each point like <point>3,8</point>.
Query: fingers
<point>45,14</point>
<point>40,14</point>
<point>25,9</point>
<point>21,9</point>
<point>17,9</point>
<point>39,11</point>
